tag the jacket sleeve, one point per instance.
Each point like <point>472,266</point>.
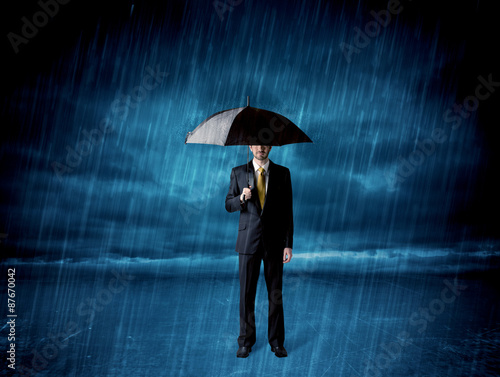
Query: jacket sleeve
<point>233,203</point>
<point>289,207</point>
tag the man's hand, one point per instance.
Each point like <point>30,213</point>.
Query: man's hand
<point>287,255</point>
<point>246,194</point>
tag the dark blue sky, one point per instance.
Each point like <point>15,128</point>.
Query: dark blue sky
<point>97,104</point>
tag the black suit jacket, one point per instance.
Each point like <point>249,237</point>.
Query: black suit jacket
<point>273,223</point>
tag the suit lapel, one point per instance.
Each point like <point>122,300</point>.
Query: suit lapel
<point>251,173</point>
<point>270,183</point>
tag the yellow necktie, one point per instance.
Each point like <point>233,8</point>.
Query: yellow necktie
<point>261,187</point>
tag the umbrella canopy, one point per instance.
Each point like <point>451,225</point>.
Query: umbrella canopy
<point>247,126</point>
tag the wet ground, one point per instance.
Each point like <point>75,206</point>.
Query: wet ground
<point>180,318</point>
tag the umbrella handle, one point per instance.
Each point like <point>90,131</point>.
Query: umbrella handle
<point>245,197</point>
<point>248,154</point>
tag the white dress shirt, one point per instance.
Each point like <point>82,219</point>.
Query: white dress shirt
<point>257,173</point>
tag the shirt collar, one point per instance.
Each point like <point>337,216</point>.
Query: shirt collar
<point>265,166</point>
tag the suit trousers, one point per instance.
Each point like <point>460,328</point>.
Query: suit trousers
<point>249,270</point>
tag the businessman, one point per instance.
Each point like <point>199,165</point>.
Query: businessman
<point>262,192</point>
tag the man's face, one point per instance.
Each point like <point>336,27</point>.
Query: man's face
<point>260,152</point>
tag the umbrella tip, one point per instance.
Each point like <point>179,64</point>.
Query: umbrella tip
<point>248,100</point>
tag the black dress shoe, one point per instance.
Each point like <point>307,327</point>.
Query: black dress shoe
<point>279,351</point>
<point>243,351</point>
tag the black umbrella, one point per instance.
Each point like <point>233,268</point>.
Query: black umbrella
<point>247,126</point>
